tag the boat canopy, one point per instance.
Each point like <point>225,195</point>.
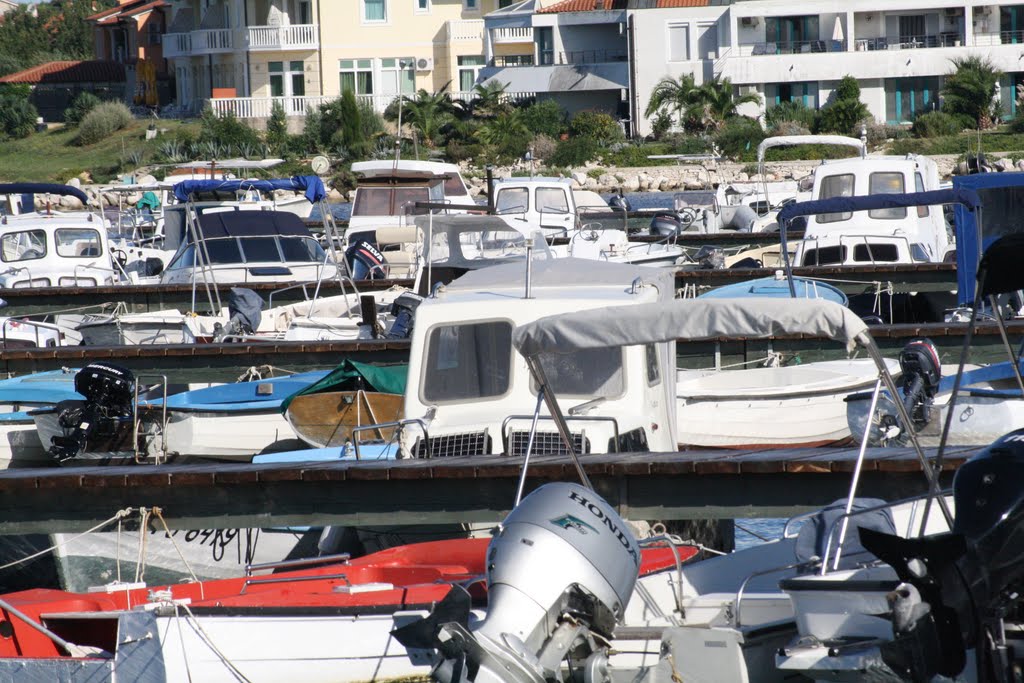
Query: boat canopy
<point>351,375</point>
<point>689,319</point>
<point>251,224</point>
<point>999,271</point>
<point>566,273</point>
<point>792,140</point>
<point>966,197</point>
<point>44,188</point>
<point>1003,195</point>
<point>310,185</point>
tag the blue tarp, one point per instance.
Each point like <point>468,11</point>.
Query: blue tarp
<point>251,224</point>
<point>967,197</point>
<point>1003,195</point>
<point>43,188</point>
<point>311,185</point>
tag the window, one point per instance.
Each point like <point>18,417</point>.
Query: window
<point>922,211</point>
<point>471,5</point>
<point>469,68</point>
<point>836,186</point>
<point>886,183</point>
<point>802,93</point>
<point>396,78</point>
<point>357,75</point>
<point>290,82</point>
<point>905,98</point>
<point>468,361</point>
<point>678,43</point>
<point>545,39</point>
<point>589,373</point>
<point>512,201</point>
<point>653,368</point>
<point>502,4</point>
<point>422,6</point>
<point>305,12</point>
<point>78,242</point>
<point>23,246</point>
<point>156,34</point>
<point>552,200</point>
<point>912,29</point>
<point>375,11</point>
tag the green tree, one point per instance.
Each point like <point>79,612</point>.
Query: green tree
<point>675,95</point>
<point>970,90</point>
<point>846,111</point>
<point>426,113</point>
<point>277,128</point>
<point>716,103</point>
<point>349,131</point>
<point>47,31</point>
<point>508,135</point>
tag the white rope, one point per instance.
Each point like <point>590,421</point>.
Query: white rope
<point>140,562</point>
<point>120,515</point>
<point>181,638</point>
<point>158,512</point>
<point>209,643</point>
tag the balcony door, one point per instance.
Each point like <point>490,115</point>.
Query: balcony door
<point>792,34</point>
<point>288,81</point>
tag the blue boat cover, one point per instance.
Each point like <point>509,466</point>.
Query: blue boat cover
<point>311,185</point>
<point>44,188</point>
<point>1002,193</point>
<point>251,224</point>
<point>968,198</point>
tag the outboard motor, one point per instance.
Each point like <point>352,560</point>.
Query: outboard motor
<point>666,224</point>
<point>620,202</point>
<point>403,308</point>
<point>108,406</point>
<point>962,589</point>
<point>560,572</point>
<point>244,306</point>
<point>919,362</point>
<point>365,261</point>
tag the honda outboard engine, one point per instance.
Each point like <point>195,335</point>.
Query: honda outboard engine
<point>919,362</point>
<point>560,572</point>
<point>109,392</point>
<point>966,584</point>
<point>244,306</point>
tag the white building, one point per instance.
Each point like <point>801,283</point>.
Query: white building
<point>609,54</point>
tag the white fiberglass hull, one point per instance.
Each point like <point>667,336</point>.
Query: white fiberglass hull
<point>799,405</point>
<point>228,435</point>
<point>20,445</point>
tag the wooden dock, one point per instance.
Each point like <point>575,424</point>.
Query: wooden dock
<point>678,485</point>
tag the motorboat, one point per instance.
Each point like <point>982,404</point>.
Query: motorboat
<point>112,425</point>
<point>19,442</point>
<point>335,618</point>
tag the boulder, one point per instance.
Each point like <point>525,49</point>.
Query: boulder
<point>75,182</point>
<point>1003,164</point>
<point>579,177</point>
<point>70,203</point>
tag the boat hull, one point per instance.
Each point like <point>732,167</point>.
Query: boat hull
<point>327,419</point>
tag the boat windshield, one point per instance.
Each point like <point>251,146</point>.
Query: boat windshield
<point>394,201</point>
<point>588,373</point>
<point>23,245</point>
<point>455,248</point>
<point>468,361</point>
<point>263,249</point>
<point>693,198</point>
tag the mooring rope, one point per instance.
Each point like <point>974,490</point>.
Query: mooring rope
<point>116,518</point>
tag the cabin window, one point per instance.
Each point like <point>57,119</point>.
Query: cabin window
<point>922,211</point>
<point>78,242</point>
<point>302,249</point>
<point>389,201</point>
<point>26,245</point>
<point>841,185</point>
<point>653,369</point>
<point>468,361</point>
<point>552,200</point>
<point>887,183</point>
<point>222,251</point>
<point>453,187</point>
<point>589,373</point>
<point>516,200</point>
<point>258,249</point>
<point>875,253</point>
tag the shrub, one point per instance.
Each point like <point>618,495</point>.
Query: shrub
<point>596,173</point>
<point>661,123</point>
<point>790,128</point>
<point>226,132</point>
<point>739,138</point>
<point>83,103</point>
<point>845,112</point>
<point>17,117</point>
<point>277,128</point>
<point>543,146</point>
<point>104,120</point>
<point>1017,123</point>
<point>595,125</point>
<point>575,151</point>
<point>934,124</point>
<point>545,118</point>
<point>789,113</point>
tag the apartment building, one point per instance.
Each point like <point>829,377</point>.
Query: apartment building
<point>131,34</point>
<point>609,54</point>
<point>241,56</point>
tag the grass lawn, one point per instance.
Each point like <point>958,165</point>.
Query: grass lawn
<point>52,157</point>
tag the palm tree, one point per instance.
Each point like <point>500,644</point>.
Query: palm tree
<point>489,99</point>
<point>716,102</point>
<point>427,113</point>
<point>971,89</point>
<point>675,95</point>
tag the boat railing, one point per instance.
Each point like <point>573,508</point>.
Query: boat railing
<point>673,543</point>
<point>398,426</point>
<point>843,519</point>
<point>316,292</point>
<point>870,243</point>
<point>296,564</point>
<point>292,579</point>
<point>737,612</point>
<point>161,454</point>
<point>115,275</point>
<point>36,325</point>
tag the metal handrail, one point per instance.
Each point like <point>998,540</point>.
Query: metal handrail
<point>853,240</point>
<point>672,542</point>
<point>292,564</point>
<point>292,579</point>
<point>79,267</point>
<point>808,564</point>
<point>34,323</point>
<point>398,425</point>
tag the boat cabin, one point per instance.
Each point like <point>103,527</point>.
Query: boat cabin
<point>55,250</point>
<point>470,393</point>
<point>888,236</point>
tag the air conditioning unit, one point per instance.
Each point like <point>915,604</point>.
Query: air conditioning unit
<point>954,11</point>
<point>424,63</point>
<point>748,21</point>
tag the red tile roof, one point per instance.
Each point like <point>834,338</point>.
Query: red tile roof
<point>127,8</point>
<point>665,4</point>
<point>582,6</point>
<point>69,72</point>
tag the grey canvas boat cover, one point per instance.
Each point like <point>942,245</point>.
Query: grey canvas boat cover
<point>697,319</point>
<point>566,272</point>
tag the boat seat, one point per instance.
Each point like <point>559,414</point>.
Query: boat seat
<point>404,261</point>
<point>399,235</point>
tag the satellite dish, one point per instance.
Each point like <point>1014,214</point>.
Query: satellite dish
<point>320,164</point>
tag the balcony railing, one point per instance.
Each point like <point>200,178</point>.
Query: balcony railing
<point>559,58</point>
<point>292,37</point>
<point>260,107</point>
<point>177,44</point>
<point>470,29</point>
<point>952,39</point>
<point>512,34</point>
<point>212,41</point>
<point>512,60</point>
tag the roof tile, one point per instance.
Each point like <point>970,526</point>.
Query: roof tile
<point>69,72</point>
<point>582,6</point>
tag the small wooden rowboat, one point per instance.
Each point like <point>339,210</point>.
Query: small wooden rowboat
<point>327,419</point>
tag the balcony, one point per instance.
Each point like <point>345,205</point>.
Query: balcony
<point>575,57</point>
<point>472,29</point>
<point>177,45</point>
<point>512,34</point>
<point>260,107</point>
<point>212,41</point>
<point>275,38</point>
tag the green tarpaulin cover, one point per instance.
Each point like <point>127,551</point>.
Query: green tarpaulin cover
<point>350,375</point>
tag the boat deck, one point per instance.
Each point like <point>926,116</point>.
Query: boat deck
<point>677,485</point>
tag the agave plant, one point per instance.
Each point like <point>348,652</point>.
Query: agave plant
<point>172,150</point>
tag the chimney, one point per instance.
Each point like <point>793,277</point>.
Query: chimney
<point>598,4</point>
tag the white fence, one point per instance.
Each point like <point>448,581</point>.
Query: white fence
<point>296,36</point>
<point>259,107</point>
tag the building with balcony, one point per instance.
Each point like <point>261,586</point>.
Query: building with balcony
<point>131,33</point>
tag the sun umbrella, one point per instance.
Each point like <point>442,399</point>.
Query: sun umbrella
<point>837,31</point>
